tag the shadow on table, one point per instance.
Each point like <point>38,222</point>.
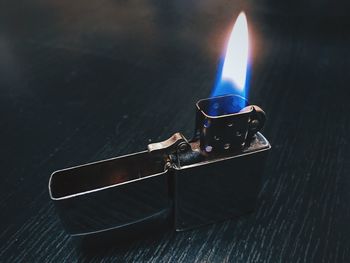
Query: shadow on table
<point>99,246</point>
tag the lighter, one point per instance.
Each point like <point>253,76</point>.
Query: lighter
<point>214,176</point>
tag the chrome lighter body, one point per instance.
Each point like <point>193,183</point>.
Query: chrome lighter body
<point>214,176</point>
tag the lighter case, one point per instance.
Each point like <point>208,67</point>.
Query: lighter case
<point>214,176</point>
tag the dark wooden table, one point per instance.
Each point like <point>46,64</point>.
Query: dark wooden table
<point>87,80</point>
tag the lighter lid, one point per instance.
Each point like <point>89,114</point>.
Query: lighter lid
<point>111,194</point>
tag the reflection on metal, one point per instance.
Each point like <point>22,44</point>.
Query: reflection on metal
<point>214,176</point>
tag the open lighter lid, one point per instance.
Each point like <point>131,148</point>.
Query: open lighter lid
<point>112,193</point>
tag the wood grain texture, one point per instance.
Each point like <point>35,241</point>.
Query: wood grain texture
<point>84,81</point>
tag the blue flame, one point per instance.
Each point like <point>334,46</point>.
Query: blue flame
<point>234,67</point>
<point>224,86</point>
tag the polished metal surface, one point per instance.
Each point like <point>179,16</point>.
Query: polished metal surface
<point>111,194</point>
<point>219,188</point>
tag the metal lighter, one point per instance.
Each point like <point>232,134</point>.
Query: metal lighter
<point>214,176</point>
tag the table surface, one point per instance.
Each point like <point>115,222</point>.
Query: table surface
<point>88,80</point>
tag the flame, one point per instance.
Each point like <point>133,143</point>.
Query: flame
<point>232,76</point>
